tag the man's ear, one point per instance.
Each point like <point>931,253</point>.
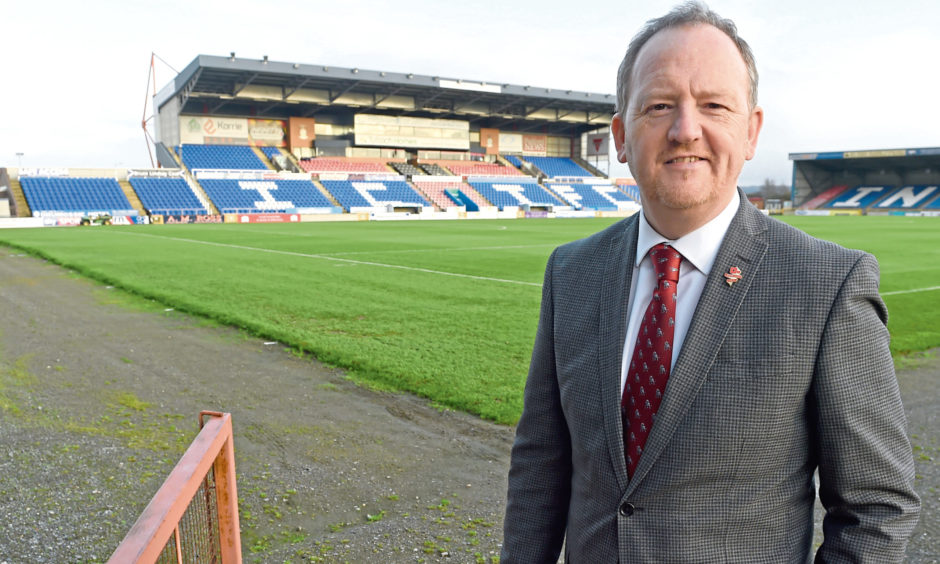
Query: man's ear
<point>619,133</point>
<point>754,123</point>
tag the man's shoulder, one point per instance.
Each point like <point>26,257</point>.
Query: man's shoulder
<point>784,234</point>
<point>803,252</point>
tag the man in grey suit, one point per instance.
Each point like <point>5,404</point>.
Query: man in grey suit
<point>776,354</point>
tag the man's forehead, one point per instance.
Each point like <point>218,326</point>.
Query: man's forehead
<point>702,43</point>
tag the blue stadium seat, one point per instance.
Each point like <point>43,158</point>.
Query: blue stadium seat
<point>933,204</point>
<point>859,197</point>
<point>631,190</point>
<point>593,196</point>
<point>263,196</point>
<point>228,157</point>
<point>516,161</point>
<point>513,193</point>
<point>558,166</point>
<point>75,195</point>
<point>908,197</point>
<point>368,194</point>
<point>167,196</point>
<point>271,152</point>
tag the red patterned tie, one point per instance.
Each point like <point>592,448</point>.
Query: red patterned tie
<point>652,356</point>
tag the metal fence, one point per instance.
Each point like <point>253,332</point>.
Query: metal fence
<point>193,517</point>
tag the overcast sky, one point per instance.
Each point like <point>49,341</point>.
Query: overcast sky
<point>834,75</point>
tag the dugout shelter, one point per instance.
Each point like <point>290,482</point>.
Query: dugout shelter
<point>887,181</point>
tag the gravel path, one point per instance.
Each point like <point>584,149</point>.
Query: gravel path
<point>98,398</point>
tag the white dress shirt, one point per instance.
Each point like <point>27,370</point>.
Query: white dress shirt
<point>698,250</point>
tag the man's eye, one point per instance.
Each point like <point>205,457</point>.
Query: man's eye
<point>658,107</point>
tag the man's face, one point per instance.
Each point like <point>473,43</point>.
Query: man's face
<point>688,127</point>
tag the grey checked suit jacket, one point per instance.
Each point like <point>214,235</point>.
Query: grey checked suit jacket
<point>783,372</point>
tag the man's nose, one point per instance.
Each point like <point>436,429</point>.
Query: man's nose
<point>686,124</point>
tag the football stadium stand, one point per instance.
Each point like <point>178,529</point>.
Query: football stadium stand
<point>75,195</point>
<point>875,197</point>
<point>167,196</point>
<point>593,196</point>
<point>375,146</point>
<point>231,157</point>
<point>371,194</point>
<point>257,196</point>
<point>554,167</point>
<point>882,181</point>
<point>515,193</point>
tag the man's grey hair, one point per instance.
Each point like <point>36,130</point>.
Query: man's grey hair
<point>689,13</point>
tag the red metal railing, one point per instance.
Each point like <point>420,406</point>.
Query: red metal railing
<point>193,517</point>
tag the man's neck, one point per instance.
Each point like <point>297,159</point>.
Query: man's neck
<point>674,223</point>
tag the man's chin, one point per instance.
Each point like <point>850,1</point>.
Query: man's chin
<point>685,198</point>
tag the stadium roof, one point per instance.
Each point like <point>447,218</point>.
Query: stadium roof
<point>892,159</point>
<point>212,85</point>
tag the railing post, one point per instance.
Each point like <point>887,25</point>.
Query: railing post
<point>226,495</point>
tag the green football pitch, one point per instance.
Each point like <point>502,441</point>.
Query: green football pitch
<point>446,310</point>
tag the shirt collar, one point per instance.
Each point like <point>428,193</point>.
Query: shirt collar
<point>700,247</point>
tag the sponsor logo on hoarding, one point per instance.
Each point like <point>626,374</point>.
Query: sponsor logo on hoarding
<point>268,218</point>
<point>174,219</point>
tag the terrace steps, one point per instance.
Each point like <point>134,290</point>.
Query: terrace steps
<point>264,158</point>
<point>505,162</point>
<point>438,201</point>
<point>583,163</point>
<point>292,158</point>
<point>176,157</point>
<point>551,191</point>
<point>474,196</point>
<point>202,195</point>
<point>326,193</point>
<point>19,198</point>
<point>132,196</point>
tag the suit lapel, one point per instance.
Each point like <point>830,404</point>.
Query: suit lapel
<point>744,247</point>
<point>612,329</point>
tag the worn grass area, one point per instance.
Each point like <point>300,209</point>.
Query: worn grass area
<point>119,414</point>
<point>445,310</point>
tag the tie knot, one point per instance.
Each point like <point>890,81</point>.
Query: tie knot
<point>666,262</point>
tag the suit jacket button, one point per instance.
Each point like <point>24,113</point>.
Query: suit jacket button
<point>627,509</point>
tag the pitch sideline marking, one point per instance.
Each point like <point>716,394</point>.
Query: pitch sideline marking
<point>912,291</point>
<point>398,251</point>
<point>337,259</point>
<point>457,249</point>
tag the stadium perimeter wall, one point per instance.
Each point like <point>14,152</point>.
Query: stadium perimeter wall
<point>32,222</point>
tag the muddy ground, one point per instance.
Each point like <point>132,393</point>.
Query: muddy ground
<point>99,393</point>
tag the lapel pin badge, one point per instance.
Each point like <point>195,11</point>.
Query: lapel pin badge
<point>733,275</point>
